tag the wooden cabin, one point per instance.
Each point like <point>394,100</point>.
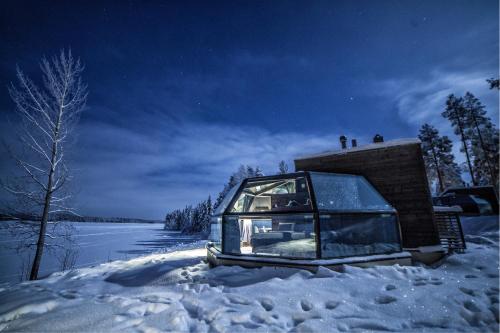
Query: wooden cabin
<point>396,169</point>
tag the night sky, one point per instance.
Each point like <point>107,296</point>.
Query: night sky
<point>181,93</point>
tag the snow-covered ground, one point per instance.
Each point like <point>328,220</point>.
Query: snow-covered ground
<point>177,292</point>
<point>94,243</point>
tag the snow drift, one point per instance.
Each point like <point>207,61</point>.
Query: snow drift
<point>177,292</point>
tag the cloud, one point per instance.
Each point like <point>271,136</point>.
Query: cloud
<point>121,171</point>
<point>420,100</point>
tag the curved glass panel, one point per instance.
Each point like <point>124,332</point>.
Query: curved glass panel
<point>338,192</point>
<point>276,195</point>
<point>216,231</point>
<point>290,236</point>
<point>344,235</point>
<point>227,199</point>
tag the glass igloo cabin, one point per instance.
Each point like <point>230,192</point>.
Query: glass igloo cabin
<point>305,219</point>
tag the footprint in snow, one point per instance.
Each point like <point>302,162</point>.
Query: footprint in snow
<point>436,282</point>
<point>330,305</point>
<point>470,276</point>
<point>471,306</point>
<point>419,283</point>
<point>300,317</point>
<point>244,321</point>
<point>467,291</point>
<point>104,298</point>
<point>69,294</point>
<point>493,299</point>
<point>491,291</point>
<point>237,299</point>
<point>303,328</point>
<point>424,281</point>
<point>267,304</point>
<point>390,287</point>
<point>306,305</point>
<point>385,299</point>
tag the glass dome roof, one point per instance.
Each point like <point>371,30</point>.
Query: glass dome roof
<point>305,215</point>
<point>342,192</point>
<point>304,192</point>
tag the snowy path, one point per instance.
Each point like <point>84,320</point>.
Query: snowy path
<point>177,292</point>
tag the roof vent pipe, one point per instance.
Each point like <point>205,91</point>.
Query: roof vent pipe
<point>354,143</point>
<point>378,138</point>
<point>343,141</point>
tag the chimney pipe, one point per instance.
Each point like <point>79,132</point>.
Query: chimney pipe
<point>378,138</point>
<point>343,142</point>
<point>354,143</point>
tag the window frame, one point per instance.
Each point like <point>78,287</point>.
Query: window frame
<point>315,211</point>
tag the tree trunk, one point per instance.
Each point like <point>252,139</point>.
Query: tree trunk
<point>440,177</point>
<point>468,161</point>
<point>46,206</point>
<point>466,150</point>
<point>485,152</point>
<point>43,229</point>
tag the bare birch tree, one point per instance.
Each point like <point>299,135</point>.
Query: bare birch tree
<point>48,114</point>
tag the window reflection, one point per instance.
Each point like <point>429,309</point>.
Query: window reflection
<point>274,196</point>
<point>338,192</point>
<point>344,235</point>
<point>216,231</point>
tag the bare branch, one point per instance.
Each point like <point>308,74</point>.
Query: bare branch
<point>47,118</point>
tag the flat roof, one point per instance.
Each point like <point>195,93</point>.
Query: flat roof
<point>371,146</point>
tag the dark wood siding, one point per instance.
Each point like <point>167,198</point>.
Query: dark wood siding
<point>398,173</point>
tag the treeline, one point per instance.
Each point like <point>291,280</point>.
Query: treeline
<point>196,219</point>
<point>480,144</point>
<point>100,219</point>
<point>75,218</point>
<point>191,219</point>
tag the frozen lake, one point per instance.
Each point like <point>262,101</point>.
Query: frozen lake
<point>95,243</point>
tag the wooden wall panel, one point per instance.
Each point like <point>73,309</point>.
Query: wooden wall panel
<point>398,173</point>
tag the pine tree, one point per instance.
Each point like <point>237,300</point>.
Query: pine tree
<point>250,172</point>
<point>282,168</point>
<point>494,83</point>
<point>207,215</point>
<point>486,157</point>
<point>484,140</point>
<point>456,113</point>
<point>242,173</point>
<point>439,160</point>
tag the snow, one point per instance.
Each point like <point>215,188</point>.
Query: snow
<point>323,262</point>
<point>477,226</point>
<point>94,243</point>
<point>377,145</point>
<point>177,291</point>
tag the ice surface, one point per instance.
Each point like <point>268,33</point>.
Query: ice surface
<point>178,292</point>
<point>95,243</point>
